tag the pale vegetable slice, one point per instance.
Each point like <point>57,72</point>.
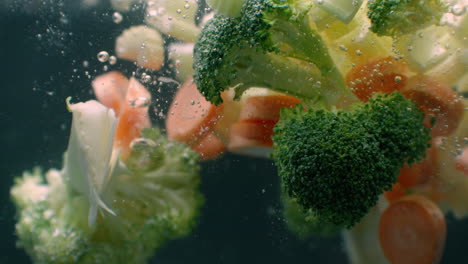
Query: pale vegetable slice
<point>355,43</point>
<point>344,10</point>
<point>225,7</point>
<point>142,45</point>
<point>428,47</point>
<point>175,18</point>
<point>88,161</point>
<point>181,55</point>
<point>229,115</point>
<point>362,241</point>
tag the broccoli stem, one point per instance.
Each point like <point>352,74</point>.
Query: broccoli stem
<point>283,74</point>
<point>306,44</point>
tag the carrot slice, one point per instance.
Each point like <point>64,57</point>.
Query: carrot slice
<point>436,100</point>
<point>266,107</point>
<point>110,89</point>
<point>249,147</point>
<point>134,116</point>
<point>461,161</point>
<point>261,130</point>
<point>395,193</point>
<point>252,137</point>
<point>383,75</point>
<point>420,173</point>
<point>412,230</point>
<point>210,147</point>
<point>190,115</point>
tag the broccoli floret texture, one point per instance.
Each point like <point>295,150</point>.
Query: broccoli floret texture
<point>303,222</point>
<point>155,197</point>
<point>398,17</point>
<point>337,163</point>
<point>272,45</point>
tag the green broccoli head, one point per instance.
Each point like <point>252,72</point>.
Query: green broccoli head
<point>272,45</point>
<point>154,195</point>
<point>399,17</point>
<point>303,222</point>
<point>338,163</point>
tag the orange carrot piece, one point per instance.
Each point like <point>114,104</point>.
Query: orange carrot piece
<point>266,107</point>
<point>420,173</point>
<point>252,137</point>
<point>383,75</point>
<point>110,89</point>
<point>436,100</point>
<point>395,193</point>
<point>190,115</point>
<point>261,130</point>
<point>412,230</point>
<point>134,116</point>
<point>461,161</point>
<point>210,147</point>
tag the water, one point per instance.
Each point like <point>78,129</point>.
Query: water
<point>240,221</point>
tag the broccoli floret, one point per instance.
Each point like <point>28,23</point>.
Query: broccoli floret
<point>303,222</point>
<point>399,17</point>
<point>337,163</point>
<point>154,195</point>
<point>271,44</point>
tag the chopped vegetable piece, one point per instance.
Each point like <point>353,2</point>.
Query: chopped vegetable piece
<point>191,116</point>
<point>230,8</point>
<point>395,193</point>
<point>175,18</point>
<point>421,172</point>
<point>110,89</point>
<point>252,137</point>
<point>399,17</point>
<point>210,147</point>
<point>436,100</point>
<point>266,107</point>
<point>133,117</point>
<point>181,55</point>
<point>461,162</point>
<point>142,45</point>
<point>412,230</point>
<point>261,130</point>
<point>344,10</point>
<point>379,75</point>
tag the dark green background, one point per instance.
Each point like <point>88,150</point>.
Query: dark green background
<point>240,221</point>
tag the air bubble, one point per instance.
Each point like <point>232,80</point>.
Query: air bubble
<point>145,78</point>
<point>117,17</point>
<point>458,10</point>
<point>112,60</point>
<point>103,56</point>
<point>140,102</point>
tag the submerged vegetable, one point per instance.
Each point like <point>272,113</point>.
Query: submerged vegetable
<point>102,209</point>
